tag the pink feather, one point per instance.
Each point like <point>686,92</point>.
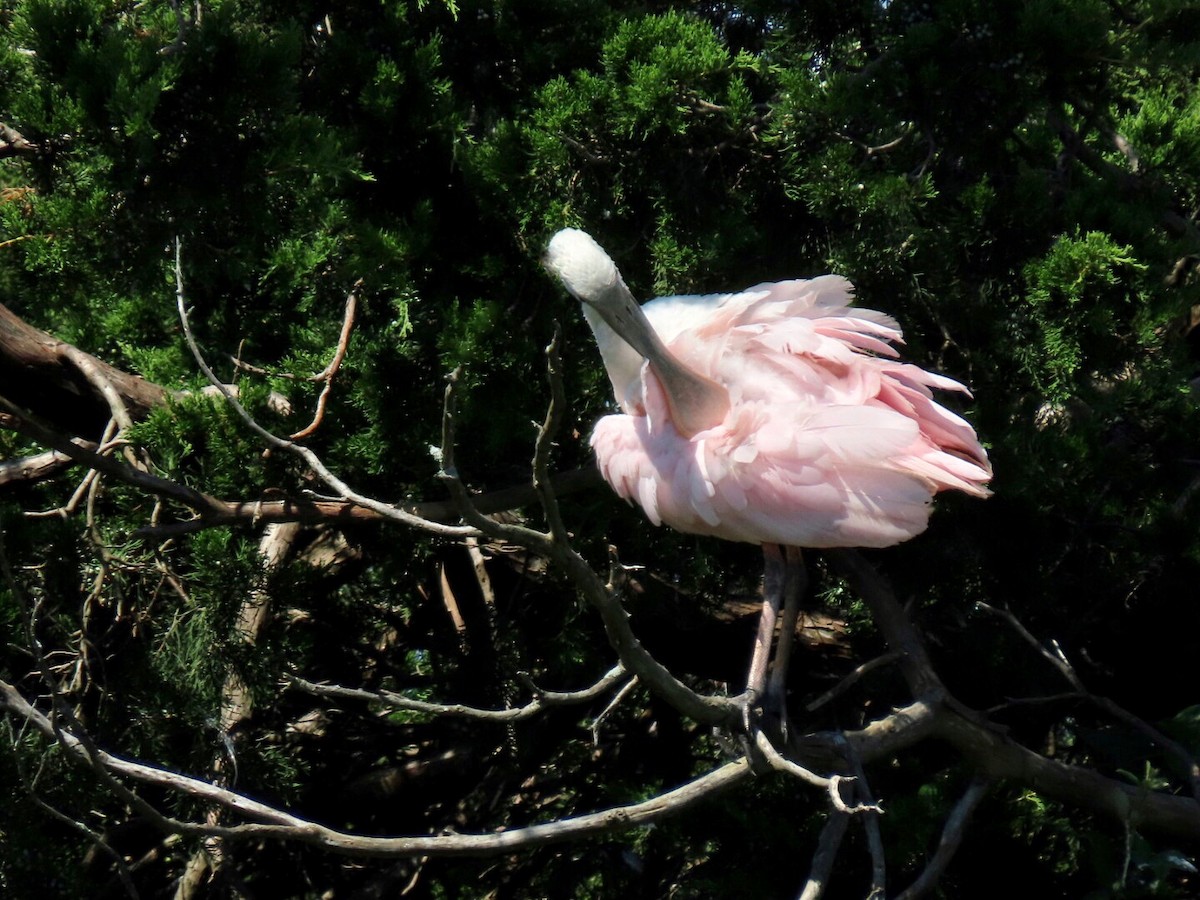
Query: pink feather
<point>829,441</point>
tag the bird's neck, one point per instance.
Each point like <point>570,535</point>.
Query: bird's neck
<point>626,340</point>
<point>621,361</point>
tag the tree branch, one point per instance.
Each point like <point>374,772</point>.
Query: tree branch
<point>951,839</point>
<point>334,364</point>
<point>543,701</point>
<point>276,823</point>
<point>385,510</point>
<point>34,377</point>
<point>1180,755</point>
<point>825,856</point>
<point>13,143</point>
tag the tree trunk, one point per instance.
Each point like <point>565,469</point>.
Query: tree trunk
<point>35,374</point>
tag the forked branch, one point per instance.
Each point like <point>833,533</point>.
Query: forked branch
<point>542,701</point>
<point>271,822</point>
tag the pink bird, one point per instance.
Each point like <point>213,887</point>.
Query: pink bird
<point>778,416</point>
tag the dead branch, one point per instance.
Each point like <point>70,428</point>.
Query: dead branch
<point>275,823</point>
<point>626,689</point>
<point>30,469</point>
<point>34,377</point>
<point>781,763</point>
<point>891,620</point>
<point>1057,660</point>
<point>951,839</point>
<point>870,824</point>
<point>542,701</point>
<point>23,422</point>
<point>327,374</point>
<point>385,510</point>
<point>851,679</point>
<point>828,845</point>
<point>545,438</point>
<point>13,143</point>
<point>1184,760</point>
<point>300,509</point>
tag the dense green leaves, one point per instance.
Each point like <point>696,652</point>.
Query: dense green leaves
<point>1016,183</point>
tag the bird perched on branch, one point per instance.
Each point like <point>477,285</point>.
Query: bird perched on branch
<point>779,415</point>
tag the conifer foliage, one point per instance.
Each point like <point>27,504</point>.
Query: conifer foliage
<point>325,632</point>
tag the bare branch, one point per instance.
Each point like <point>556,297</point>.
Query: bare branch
<point>22,422</point>
<point>1181,756</point>
<point>1058,660</point>
<point>13,143</point>
<point>878,149</point>
<point>952,835</point>
<point>334,364</point>
<point>300,509</point>
<point>343,490</point>
<point>825,856</point>
<point>995,755</point>
<point>889,616</point>
<point>276,823</point>
<point>92,835</point>
<point>516,534</point>
<point>545,438</point>
<point>29,469</point>
<point>781,763</point>
<point>87,366</point>
<point>851,679</point>
<point>544,700</point>
<point>620,695</point>
<point>870,824</point>
<point>87,486</point>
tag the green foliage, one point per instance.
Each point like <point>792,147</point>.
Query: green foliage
<point>1084,301</point>
<point>1016,183</point>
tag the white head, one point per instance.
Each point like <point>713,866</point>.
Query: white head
<point>582,265</point>
<point>626,337</point>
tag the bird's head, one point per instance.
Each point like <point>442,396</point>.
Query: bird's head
<point>582,265</point>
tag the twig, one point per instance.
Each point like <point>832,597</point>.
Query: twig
<point>1183,758</point>
<point>870,823</point>
<point>851,679</point>
<point>612,705</point>
<point>343,490</point>
<point>544,699</point>
<point>1058,660</point>
<point>92,835</point>
<point>781,763</point>
<point>545,439</point>
<point>876,150</point>
<point>277,823</point>
<point>951,839</point>
<point>825,856</point>
<point>334,364</point>
<point>29,786</point>
<point>517,534</point>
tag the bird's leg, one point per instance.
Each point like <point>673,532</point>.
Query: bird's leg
<point>795,582</point>
<point>774,579</point>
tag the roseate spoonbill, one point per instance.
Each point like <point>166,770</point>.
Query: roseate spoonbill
<point>779,416</point>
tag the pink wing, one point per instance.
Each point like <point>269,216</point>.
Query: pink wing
<point>830,441</point>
